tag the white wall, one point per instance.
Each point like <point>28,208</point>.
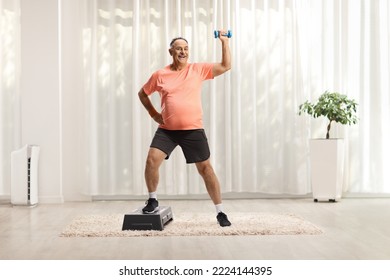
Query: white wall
<point>52,99</point>
<point>40,106</point>
<point>40,91</point>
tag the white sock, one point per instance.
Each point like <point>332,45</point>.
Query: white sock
<point>153,195</point>
<point>219,208</point>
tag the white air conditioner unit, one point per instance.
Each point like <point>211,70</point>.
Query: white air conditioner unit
<point>24,176</point>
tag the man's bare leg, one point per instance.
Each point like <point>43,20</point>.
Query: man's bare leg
<point>153,163</point>
<point>213,188</point>
<point>211,181</point>
<point>152,176</point>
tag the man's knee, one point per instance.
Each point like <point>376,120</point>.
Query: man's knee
<point>154,159</point>
<point>150,162</point>
<point>205,169</point>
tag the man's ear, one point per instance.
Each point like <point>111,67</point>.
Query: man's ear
<point>170,51</point>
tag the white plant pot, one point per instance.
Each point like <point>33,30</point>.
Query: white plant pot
<point>327,168</point>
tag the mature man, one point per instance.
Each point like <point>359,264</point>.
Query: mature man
<point>179,85</point>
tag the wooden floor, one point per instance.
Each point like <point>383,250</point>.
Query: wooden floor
<point>354,228</point>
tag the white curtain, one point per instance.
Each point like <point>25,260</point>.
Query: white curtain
<point>283,52</point>
<point>9,87</point>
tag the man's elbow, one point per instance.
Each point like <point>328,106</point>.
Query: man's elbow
<point>141,94</point>
<point>221,68</point>
<point>227,67</point>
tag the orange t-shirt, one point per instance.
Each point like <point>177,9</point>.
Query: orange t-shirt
<point>180,92</point>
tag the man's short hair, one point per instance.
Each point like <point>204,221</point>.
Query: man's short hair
<point>175,39</point>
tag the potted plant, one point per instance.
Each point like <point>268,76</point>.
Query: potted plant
<point>327,155</point>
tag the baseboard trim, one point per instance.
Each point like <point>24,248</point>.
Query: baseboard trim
<point>226,196</point>
<point>50,199</point>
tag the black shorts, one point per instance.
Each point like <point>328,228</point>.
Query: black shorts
<point>193,143</point>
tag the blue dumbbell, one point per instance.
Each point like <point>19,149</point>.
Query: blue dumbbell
<point>229,34</point>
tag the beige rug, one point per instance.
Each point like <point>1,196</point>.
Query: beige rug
<point>195,224</point>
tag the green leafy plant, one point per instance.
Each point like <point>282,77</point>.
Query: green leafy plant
<point>334,106</point>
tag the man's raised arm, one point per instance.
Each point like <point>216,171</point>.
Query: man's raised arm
<point>225,64</point>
